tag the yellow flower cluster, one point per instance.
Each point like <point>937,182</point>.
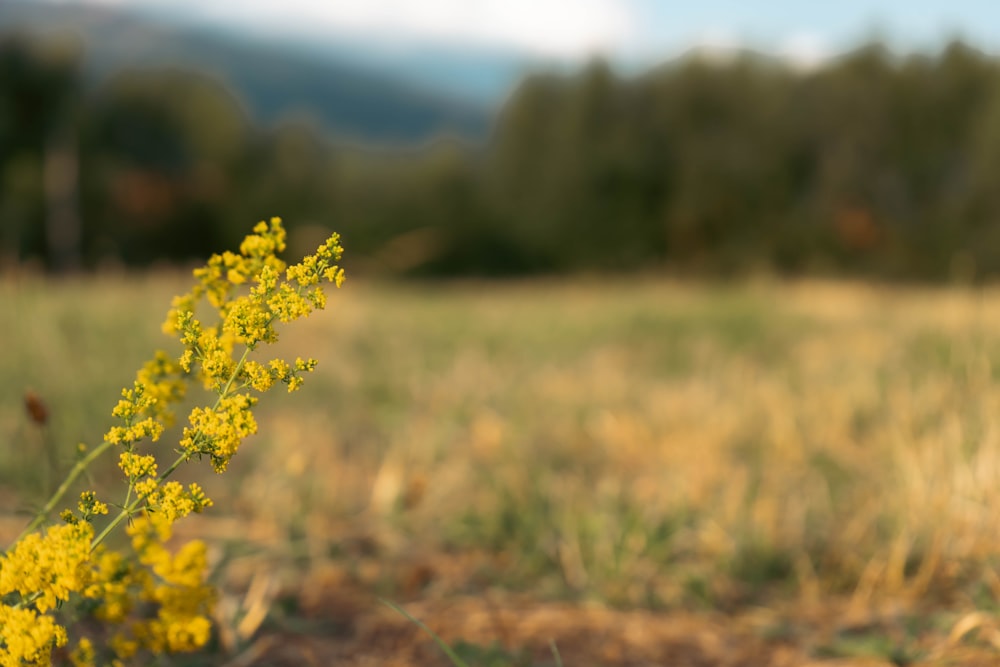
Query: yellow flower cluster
<point>133,405</point>
<point>262,377</point>
<point>48,567</point>
<point>218,432</point>
<point>28,637</point>
<point>172,583</point>
<point>68,563</point>
<point>163,380</point>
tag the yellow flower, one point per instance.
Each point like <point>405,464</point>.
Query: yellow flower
<point>257,376</point>
<point>135,403</point>
<point>183,600</point>
<point>28,637</point>
<point>249,322</point>
<point>112,578</point>
<point>135,465</point>
<point>145,487</point>
<point>89,505</point>
<point>163,381</point>
<point>248,293</point>
<point>124,647</point>
<point>218,432</point>
<point>48,567</point>
<point>83,655</point>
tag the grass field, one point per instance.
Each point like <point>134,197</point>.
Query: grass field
<point>754,474</point>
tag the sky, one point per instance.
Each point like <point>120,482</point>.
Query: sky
<point>626,30</point>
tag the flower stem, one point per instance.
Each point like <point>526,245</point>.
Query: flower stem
<point>73,475</point>
<point>131,507</point>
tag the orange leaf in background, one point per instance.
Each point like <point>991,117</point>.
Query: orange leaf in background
<point>36,408</point>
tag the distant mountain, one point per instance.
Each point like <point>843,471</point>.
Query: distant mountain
<point>350,97</point>
<point>478,73</point>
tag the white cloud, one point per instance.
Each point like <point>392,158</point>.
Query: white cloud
<point>805,50</point>
<point>560,28</point>
<point>718,39</point>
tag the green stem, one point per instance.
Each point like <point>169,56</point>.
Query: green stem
<point>73,475</point>
<point>236,371</point>
<point>126,512</point>
<point>130,508</point>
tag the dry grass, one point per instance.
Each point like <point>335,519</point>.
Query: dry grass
<point>641,445</point>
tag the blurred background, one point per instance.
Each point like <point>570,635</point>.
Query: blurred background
<point>677,307</point>
<point>507,138</point>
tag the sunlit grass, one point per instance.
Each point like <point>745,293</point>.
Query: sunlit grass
<point>642,443</point>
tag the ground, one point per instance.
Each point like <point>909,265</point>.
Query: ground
<point>621,472</point>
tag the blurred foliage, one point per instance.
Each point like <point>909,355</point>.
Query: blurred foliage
<point>875,164</point>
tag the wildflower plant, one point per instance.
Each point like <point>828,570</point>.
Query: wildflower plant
<point>148,598</point>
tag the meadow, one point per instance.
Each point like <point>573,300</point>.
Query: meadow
<point>590,471</point>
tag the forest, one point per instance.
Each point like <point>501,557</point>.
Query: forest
<point>657,369</point>
<point>874,165</point>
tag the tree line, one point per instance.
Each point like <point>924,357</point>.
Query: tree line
<point>874,164</point>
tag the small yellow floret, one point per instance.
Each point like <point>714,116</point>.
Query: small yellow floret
<point>48,566</point>
<point>89,505</point>
<point>28,637</point>
<point>137,465</point>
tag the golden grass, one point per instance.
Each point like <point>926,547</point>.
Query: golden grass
<point>645,443</point>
